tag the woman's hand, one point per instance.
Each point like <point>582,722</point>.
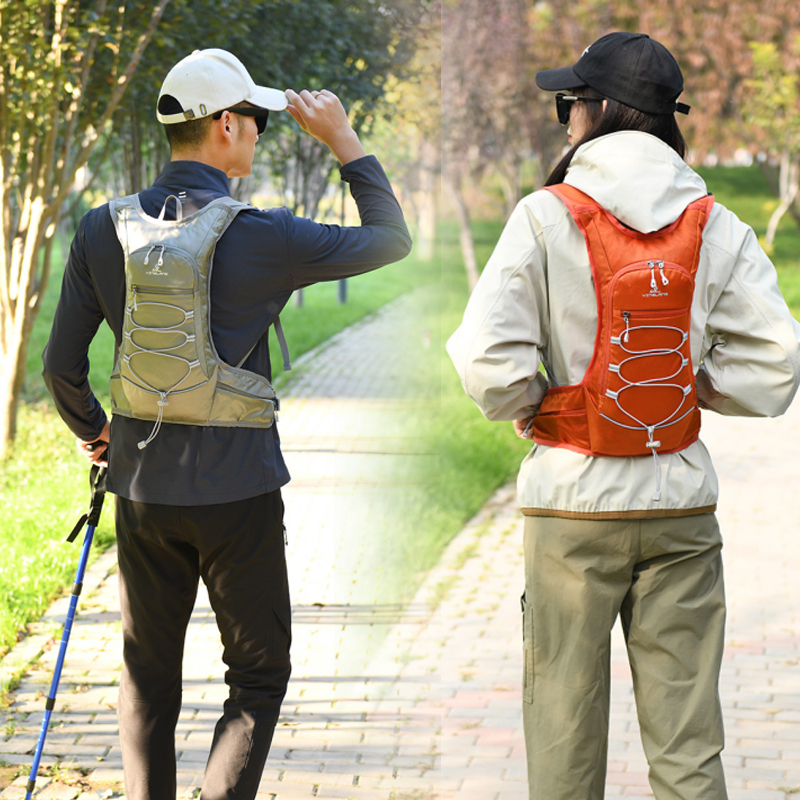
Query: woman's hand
<point>524,427</point>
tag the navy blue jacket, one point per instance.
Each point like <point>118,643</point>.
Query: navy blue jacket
<point>260,260</point>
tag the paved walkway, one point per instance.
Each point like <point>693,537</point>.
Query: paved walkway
<point>424,702</point>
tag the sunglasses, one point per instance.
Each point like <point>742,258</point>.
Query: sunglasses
<point>261,115</point>
<point>564,105</point>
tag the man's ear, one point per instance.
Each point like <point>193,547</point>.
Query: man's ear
<point>225,125</point>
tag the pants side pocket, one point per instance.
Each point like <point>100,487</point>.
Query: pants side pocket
<point>527,651</point>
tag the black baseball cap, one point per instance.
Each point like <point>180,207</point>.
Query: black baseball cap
<point>630,68</point>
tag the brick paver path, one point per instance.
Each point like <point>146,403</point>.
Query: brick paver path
<point>425,703</point>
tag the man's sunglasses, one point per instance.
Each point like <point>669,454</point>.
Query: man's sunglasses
<point>564,105</point>
<point>261,115</point>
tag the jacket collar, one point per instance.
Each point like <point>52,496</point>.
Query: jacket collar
<point>193,175</point>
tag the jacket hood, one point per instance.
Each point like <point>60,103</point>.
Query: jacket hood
<point>638,178</point>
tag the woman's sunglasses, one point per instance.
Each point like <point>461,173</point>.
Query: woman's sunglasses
<point>261,115</point>
<point>564,105</point>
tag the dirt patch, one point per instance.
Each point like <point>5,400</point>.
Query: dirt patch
<point>7,773</point>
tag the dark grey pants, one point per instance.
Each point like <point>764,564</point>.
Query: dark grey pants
<point>238,551</point>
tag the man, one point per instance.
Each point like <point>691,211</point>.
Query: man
<point>619,277</point>
<point>203,501</point>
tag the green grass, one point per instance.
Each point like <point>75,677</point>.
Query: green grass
<point>478,456</point>
<point>43,487</point>
<point>305,327</point>
<point>473,457</point>
<point>44,482</point>
<point>745,191</point>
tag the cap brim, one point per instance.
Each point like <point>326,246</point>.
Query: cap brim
<point>554,80</point>
<point>273,99</point>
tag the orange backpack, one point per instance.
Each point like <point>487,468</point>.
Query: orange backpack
<point>637,396</point>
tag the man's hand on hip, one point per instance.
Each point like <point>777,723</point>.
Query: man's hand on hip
<point>95,450</point>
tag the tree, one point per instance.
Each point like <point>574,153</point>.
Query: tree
<point>483,100</point>
<point>774,108</point>
<point>354,48</point>
<point>51,51</point>
<point>409,142</point>
<point>138,148</point>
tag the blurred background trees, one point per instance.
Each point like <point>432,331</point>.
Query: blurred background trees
<point>436,87</point>
<point>64,67</point>
<point>78,86</point>
<point>501,136</point>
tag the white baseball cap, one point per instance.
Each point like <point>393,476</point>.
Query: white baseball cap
<point>208,81</point>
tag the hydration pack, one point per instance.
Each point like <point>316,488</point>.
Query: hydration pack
<point>638,394</point>
<point>167,367</point>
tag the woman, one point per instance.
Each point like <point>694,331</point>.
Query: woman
<point>626,527</point>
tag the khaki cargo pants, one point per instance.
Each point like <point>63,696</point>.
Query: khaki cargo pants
<point>664,578</point>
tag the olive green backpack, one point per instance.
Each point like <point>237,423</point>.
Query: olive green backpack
<point>167,367</point>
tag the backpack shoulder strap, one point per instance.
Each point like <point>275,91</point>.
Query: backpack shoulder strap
<point>574,199</point>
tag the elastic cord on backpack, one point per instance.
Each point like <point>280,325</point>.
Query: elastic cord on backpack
<point>162,401</point>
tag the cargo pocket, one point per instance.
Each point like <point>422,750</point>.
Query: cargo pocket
<point>527,651</point>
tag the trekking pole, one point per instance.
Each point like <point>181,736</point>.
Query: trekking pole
<point>97,482</point>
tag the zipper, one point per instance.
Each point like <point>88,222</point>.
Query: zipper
<point>651,264</point>
<point>155,290</point>
<point>242,393</point>
<point>627,317</point>
<point>656,314</point>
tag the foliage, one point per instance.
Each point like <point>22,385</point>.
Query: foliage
<point>773,99</point>
<point>352,49</point>
<point>49,126</point>
<point>409,143</point>
<point>348,47</point>
<point>490,62</point>
<point>774,109</point>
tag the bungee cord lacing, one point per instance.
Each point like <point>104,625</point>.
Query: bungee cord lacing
<point>165,352</point>
<point>661,382</point>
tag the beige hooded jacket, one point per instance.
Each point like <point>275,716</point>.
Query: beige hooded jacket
<point>534,306</point>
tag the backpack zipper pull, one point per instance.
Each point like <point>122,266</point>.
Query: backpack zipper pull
<point>627,317</point>
<point>147,257</point>
<point>664,279</point>
<point>653,285</point>
<point>163,247</point>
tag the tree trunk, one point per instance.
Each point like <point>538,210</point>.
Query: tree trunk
<point>37,173</point>
<point>769,175</point>
<point>465,232</point>
<point>429,194</point>
<point>788,191</point>
<point>21,303</point>
<point>11,379</point>
<point>510,184</point>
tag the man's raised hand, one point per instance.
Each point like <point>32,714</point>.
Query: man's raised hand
<point>322,115</point>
